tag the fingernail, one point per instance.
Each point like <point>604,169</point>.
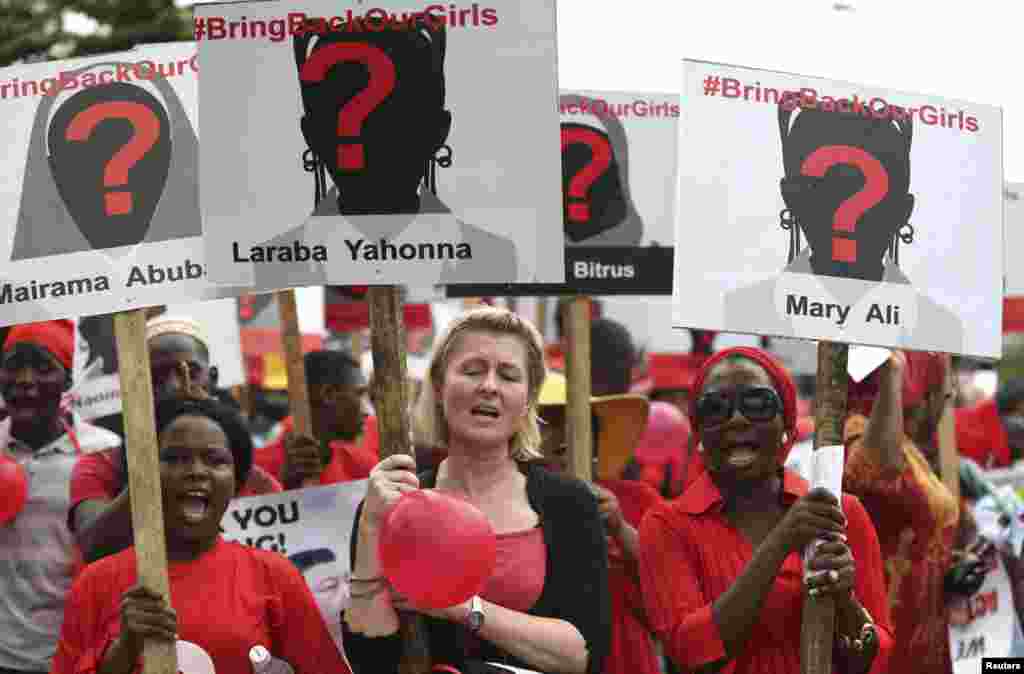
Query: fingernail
<point>833,575</point>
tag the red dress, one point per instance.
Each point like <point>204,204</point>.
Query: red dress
<point>917,519</point>
<point>690,555</point>
<point>228,600</point>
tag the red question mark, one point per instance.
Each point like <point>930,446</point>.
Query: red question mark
<point>601,159</point>
<point>351,156</point>
<point>147,131</point>
<point>876,186</point>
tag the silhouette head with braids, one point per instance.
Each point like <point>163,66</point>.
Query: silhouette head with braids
<point>386,188</point>
<point>846,282</point>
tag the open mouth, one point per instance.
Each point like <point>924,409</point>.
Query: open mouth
<point>741,457</point>
<point>486,411</point>
<point>194,506</point>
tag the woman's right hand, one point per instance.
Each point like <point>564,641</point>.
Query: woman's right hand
<point>816,515</point>
<point>389,479</point>
<point>145,615</point>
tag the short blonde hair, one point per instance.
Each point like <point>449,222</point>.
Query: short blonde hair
<point>430,426</point>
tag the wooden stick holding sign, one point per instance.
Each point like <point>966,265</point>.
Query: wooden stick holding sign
<point>949,456</point>
<point>819,613</point>
<point>298,393</point>
<point>577,370</point>
<point>144,474</point>
<point>391,405</point>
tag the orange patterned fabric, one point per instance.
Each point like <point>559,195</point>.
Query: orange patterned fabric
<point>916,518</point>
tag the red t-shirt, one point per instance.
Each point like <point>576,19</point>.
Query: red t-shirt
<point>96,476</point>
<point>349,461</point>
<point>230,599</point>
<point>632,646</point>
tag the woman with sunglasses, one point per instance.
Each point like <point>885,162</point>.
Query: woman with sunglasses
<point>720,567</point>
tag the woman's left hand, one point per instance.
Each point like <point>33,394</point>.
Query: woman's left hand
<point>832,570</point>
<point>452,613</point>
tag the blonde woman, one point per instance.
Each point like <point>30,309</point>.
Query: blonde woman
<point>546,608</point>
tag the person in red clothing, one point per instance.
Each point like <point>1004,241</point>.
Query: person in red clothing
<point>225,598</point>
<point>720,567</point>
<point>619,422</point>
<point>892,464</point>
<point>992,431</point>
<point>100,512</point>
<point>337,404</point>
<point>38,556</point>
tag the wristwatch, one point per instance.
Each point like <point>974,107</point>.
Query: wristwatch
<point>475,619</point>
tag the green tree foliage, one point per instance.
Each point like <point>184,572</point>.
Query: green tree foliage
<point>37,29</point>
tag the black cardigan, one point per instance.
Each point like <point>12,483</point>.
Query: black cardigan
<point>575,581</point>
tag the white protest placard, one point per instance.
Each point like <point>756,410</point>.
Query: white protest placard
<point>312,527</point>
<point>983,625</point>
<point>820,209</point>
<point>95,364</point>
<point>1014,228</point>
<point>99,201</point>
<point>619,196</point>
<point>407,143</point>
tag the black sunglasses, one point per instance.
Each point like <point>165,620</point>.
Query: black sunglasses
<point>756,403</point>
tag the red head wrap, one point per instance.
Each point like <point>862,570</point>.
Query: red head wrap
<point>783,382</point>
<point>57,337</point>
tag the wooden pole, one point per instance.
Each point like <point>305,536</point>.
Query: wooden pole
<point>949,456</point>
<point>357,345</point>
<point>542,315</point>
<point>291,340</point>
<point>144,473</point>
<point>391,404</point>
<point>819,614</point>
<point>295,367</point>
<point>577,367</point>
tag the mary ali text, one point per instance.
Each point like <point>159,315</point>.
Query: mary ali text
<point>140,275</point>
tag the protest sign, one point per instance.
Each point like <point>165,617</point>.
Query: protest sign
<point>426,131</point>
<point>100,208</point>
<point>1013,197</point>
<point>95,363</point>
<point>1013,304</point>
<point>619,196</point>
<point>984,624</point>
<point>826,210</point>
<point>312,528</point>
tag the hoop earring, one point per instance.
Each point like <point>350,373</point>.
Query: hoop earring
<point>442,158</point>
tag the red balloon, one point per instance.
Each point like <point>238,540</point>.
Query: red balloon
<point>437,550</point>
<point>13,489</point>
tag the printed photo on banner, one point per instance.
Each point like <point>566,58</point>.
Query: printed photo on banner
<point>97,382</point>
<point>984,625</point>
<point>312,528</point>
<point>618,196</point>
<point>397,143</point>
<point>820,209</point>
<point>100,209</point>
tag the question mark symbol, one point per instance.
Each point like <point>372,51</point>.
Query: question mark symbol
<point>146,127</point>
<point>351,155</point>
<point>876,186</point>
<point>600,160</point>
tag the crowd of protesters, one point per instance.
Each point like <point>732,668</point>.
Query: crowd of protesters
<point>684,554</point>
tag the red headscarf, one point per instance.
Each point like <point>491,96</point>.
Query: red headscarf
<point>57,337</point>
<point>924,372</point>
<point>780,377</point>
